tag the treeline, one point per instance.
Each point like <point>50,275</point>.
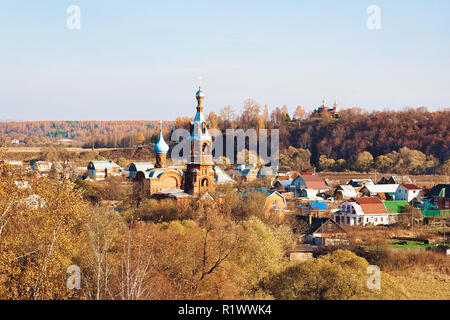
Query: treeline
<point>408,141</point>
<point>379,133</point>
<point>111,134</point>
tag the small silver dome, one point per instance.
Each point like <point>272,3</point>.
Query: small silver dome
<point>200,94</point>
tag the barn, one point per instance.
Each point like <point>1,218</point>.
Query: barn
<point>100,170</point>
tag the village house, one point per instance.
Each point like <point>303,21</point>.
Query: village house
<point>382,191</point>
<point>247,172</point>
<point>395,208</point>
<point>275,206</point>
<point>282,186</point>
<point>359,183</point>
<point>100,170</point>
<point>267,173</point>
<point>42,167</point>
<point>221,176</point>
<point>308,186</point>
<point>362,211</point>
<point>439,196</point>
<point>320,231</point>
<point>345,192</point>
<point>407,192</point>
<point>286,174</point>
<point>396,180</point>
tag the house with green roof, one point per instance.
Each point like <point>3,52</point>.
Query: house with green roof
<point>394,208</point>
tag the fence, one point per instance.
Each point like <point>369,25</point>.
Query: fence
<point>435,213</point>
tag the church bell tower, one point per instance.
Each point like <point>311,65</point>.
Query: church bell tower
<point>199,174</point>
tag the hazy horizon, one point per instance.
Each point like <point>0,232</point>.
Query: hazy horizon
<point>207,111</point>
<point>142,60</point>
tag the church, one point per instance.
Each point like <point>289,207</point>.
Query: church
<point>197,177</point>
<point>324,110</point>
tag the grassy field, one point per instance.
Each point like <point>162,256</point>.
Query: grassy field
<point>415,286</point>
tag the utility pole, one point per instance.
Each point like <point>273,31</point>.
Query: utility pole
<point>445,225</point>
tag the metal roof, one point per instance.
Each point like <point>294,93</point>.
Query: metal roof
<point>411,187</point>
<point>382,188</point>
<point>141,166</point>
<point>318,205</point>
<point>317,223</point>
<point>440,191</point>
<point>102,165</point>
<point>370,205</point>
<point>313,181</point>
<point>395,206</point>
<point>348,191</point>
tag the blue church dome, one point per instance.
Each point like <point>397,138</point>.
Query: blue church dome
<point>161,146</point>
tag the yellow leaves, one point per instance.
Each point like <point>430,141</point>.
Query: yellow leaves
<point>336,276</point>
<point>140,138</point>
<point>261,251</point>
<point>39,242</point>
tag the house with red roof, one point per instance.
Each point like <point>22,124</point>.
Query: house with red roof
<point>362,211</point>
<point>308,186</point>
<point>407,192</point>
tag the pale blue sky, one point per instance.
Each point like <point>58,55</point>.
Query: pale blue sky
<point>140,59</point>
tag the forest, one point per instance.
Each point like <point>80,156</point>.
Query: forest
<point>414,141</point>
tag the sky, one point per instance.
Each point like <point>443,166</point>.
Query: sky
<point>141,59</point>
